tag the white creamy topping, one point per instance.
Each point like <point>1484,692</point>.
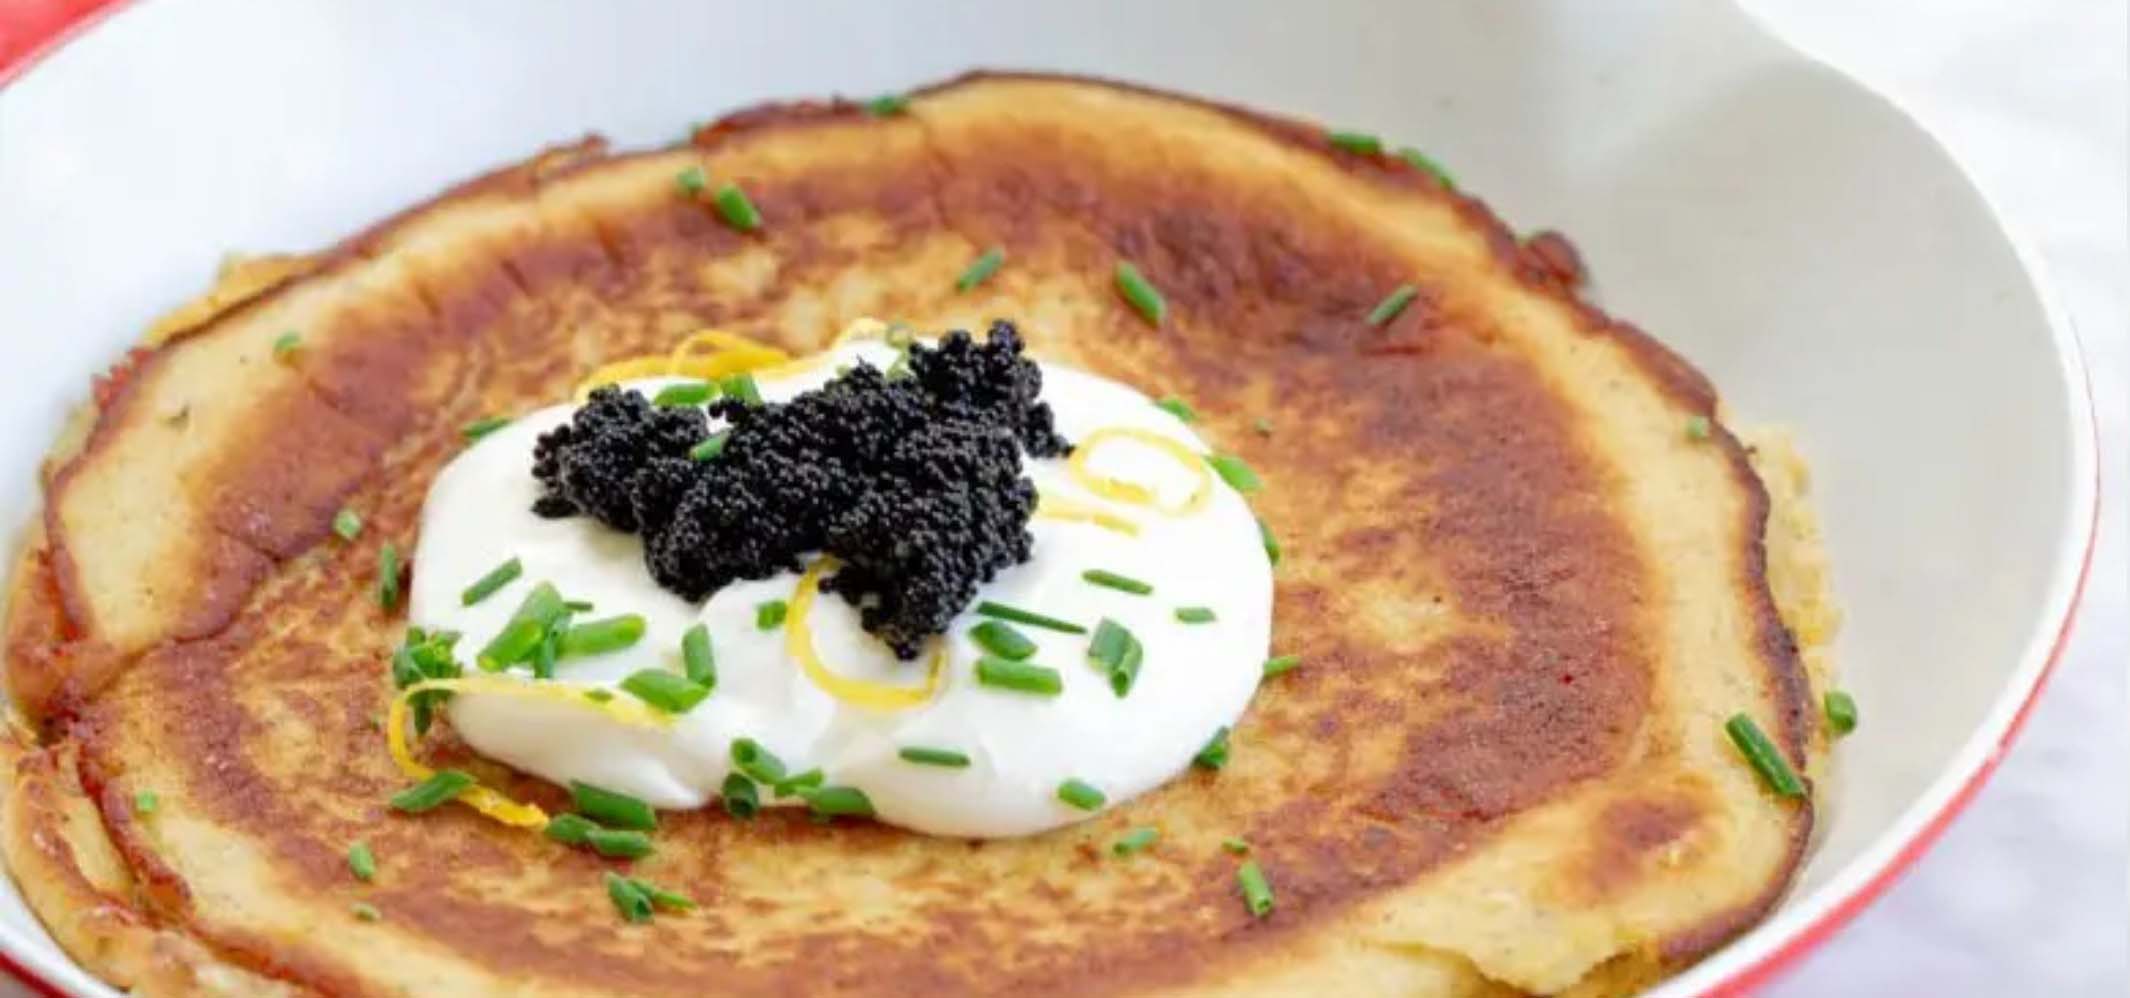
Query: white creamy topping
<point>1195,677</point>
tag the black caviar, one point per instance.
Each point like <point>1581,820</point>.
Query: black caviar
<point>912,482</point>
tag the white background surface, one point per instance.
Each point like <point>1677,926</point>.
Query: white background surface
<point>2026,894</point>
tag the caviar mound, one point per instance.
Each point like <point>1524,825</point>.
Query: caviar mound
<point>912,481</point>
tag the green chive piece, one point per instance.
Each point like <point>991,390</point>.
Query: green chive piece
<point>1697,428</point>
<point>836,802</point>
<point>596,637</point>
<point>770,615</point>
<point>999,638</point>
<point>1237,473</point>
<point>361,862</point>
<point>550,649</point>
<point>697,658</point>
<point>668,691</point>
<point>760,764</point>
<point>388,572</point>
<point>632,901</point>
<point>691,181</point>
<point>1195,614</point>
<point>887,105</point>
<point>430,794</point>
<point>684,394</point>
<point>1392,304</point>
<point>1279,665</point>
<point>1754,744</point>
<point>145,803</point>
<point>1358,143</point>
<point>520,638</point>
<point>736,210</point>
<point>482,427</point>
<point>1272,548</point>
<point>569,829</point>
<point>1081,794</point>
<point>664,899</point>
<point>1008,675</point>
<point>617,843</point>
<point>1121,583</point>
<point>612,808</point>
<point>1140,293</point>
<point>1841,712</point>
<point>1017,615</point>
<point>1215,754</point>
<point>366,911</point>
<point>1178,408</point>
<point>980,269</point>
<point>1236,846</point>
<point>791,785</point>
<point>1118,653</point>
<point>742,800</point>
<point>709,449</point>
<point>1425,164</point>
<point>486,585</point>
<point>924,756</point>
<point>599,695</point>
<point>1263,426</point>
<point>286,345</point>
<point>1135,841</point>
<point>741,386</point>
<point>1256,890</point>
<point>347,524</point>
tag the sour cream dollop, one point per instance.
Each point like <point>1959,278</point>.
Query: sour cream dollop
<point>1195,677</point>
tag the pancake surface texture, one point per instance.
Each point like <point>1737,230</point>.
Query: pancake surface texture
<point>1524,595</point>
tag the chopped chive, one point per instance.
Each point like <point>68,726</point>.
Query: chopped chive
<point>1135,841</point>
<point>837,802</point>
<point>145,802</point>
<point>1215,753</point>
<point>632,901</point>
<point>599,695</point>
<point>1195,614</point>
<point>791,785</point>
<point>736,210</point>
<point>388,571</point>
<point>1768,760</point>
<point>361,862</point>
<point>286,345</point>
<point>429,794</point>
<point>1236,846</point>
<point>618,843</point>
<point>1392,304</point>
<point>741,386</point>
<point>1263,426</point>
<point>1118,653</point>
<point>999,638</point>
<point>486,585</point>
<point>569,829</point>
<point>742,800</point>
<point>1279,665</point>
<point>1841,712</point>
<point>668,691</point>
<point>1178,408</point>
<point>366,911</point>
<point>980,269</point>
<point>520,638</point>
<point>1697,428</point>
<point>664,899</point>
<point>1121,583</point>
<point>691,181</point>
<point>709,449</point>
<point>1140,293</point>
<point>760,764</point>
<point>549,650</point>
<point>887,105</point>
<point>1272,548</point>
<point>347,524</point>
<point>1081,794</point>
<point>1426,164</point>
<point>697,658</point>
<point>1236,472</point>
<point>684,394</point>
<point>1001,611</point>
<point>611,807</point>
<point>769,615</point>
<point>1358,143</point>
<point>1256,890</point>
<point>1007,675</point>
<point>925,756</point>
<point>595,637</point>
<point>482,427</point>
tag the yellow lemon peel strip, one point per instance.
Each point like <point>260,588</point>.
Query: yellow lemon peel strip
<point>799,644</point>
<point>1134,493</point>
<point>729,353</point>
<point>1053,508</point>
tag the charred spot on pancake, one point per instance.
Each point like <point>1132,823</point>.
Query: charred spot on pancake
<point>913,482</point>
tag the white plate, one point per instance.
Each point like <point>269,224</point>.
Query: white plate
<point>1807,245</point>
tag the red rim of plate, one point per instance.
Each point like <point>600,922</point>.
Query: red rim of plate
<point>44,27</point>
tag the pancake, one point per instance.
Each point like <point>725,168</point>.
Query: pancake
<point>1525,595</point>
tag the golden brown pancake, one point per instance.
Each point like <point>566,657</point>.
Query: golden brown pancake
<point>1525,595</point>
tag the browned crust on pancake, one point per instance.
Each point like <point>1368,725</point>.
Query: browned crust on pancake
<point>1558,574</point>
